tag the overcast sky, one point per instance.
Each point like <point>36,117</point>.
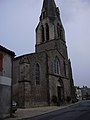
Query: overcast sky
<point>19,18</point>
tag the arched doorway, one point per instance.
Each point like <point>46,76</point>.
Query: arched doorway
<point>60,92</point>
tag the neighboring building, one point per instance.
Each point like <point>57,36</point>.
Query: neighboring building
<point>78,93</point>
<point>82,93</point>
<point>85,92</point>
<point>45,76</point>
<point>6,64</point>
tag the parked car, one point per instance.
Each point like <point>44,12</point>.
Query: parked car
<point>14,106</point>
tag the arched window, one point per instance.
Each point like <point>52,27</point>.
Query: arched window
<point>47,32</point>
<point>44,14</point>
<point>37,74</point>
<point>56,65</point>
<point>58,30</point>
<point>64,68</point>
<point>42,34</point>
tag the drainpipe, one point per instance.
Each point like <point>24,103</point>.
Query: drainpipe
<point>12,59</point>
<point>47,76</point>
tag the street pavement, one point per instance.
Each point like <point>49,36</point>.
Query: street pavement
<point>79,111</point>
<point>21,114</point>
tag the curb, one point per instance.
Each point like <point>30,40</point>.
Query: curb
<point>58,108</point>
<point>43,113</point>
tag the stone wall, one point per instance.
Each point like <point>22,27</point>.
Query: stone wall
<point>29,92</point>
<point>5,101</point>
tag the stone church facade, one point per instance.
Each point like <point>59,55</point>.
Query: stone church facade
<point>45,76</point>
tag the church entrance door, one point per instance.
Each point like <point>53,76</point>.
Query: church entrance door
<point>59,93</point>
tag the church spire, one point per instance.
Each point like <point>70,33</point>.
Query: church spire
<point>49,10</point>
<point>50,27</point>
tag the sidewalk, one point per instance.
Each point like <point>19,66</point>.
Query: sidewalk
<point>31,112</point>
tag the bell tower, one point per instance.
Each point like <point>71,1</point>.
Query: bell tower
<point>50,33</point>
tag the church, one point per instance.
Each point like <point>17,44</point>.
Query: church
<point>44,77</point>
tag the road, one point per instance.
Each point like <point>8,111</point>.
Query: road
<point>80,111</point>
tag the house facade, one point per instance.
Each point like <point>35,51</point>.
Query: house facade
<point>78,93</point>
<point>6,64</point>
<point>85,93</point>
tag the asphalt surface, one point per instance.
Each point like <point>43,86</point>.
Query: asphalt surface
<point>80,111</point>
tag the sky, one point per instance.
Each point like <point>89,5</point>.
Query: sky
<point>19,18</point>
